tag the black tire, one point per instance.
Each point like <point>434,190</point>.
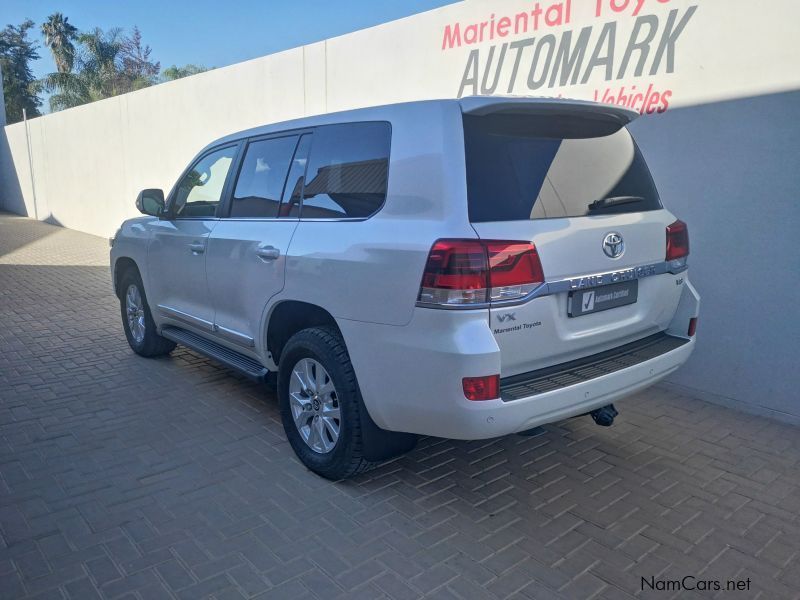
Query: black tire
<point>347,458</point>
<point>152,344</point>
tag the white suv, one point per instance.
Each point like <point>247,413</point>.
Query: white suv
<point>457,268</point>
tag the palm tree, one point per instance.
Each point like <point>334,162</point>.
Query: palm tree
<point>107,63</point>
<point>58,36</point>
<point>97,73</point>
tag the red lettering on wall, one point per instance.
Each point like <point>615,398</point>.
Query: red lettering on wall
<point>645,103</point>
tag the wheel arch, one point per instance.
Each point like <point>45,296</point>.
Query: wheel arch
<point>287,317</point>
<point>290,316</point>
<point>122,266</point>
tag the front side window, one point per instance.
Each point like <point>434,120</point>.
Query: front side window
<point>200,190</point>
<point>348,171</point>
<point>262,177</point>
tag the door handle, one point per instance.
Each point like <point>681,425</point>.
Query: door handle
<point>267,252</point>
<point>197,248</point>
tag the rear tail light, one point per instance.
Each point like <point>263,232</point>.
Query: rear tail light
<point>514,269</point>
<point>677,244</point>
<point>481,388</point>
<point>457,272</point>
<point>692,326</point>
<point>470,272</point>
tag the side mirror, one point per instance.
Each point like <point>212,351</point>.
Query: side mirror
<point>150,202</point>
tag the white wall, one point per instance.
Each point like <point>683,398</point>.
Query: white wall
<point>91,161</point>
<point>724,152</point>
<point>732,171</point>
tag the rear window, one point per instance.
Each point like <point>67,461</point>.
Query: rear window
<point>542,167</point>
<point>347,171</point>
<point>262,177</point>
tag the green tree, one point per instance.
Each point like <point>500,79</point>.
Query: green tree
<point>19,84</point>
<point>94,75</point>
<point>106,64</point>
<point>59,34</point>
<point>175,72</point>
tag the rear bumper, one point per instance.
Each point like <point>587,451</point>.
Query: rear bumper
<point>410,376</point>
<point>588,368</point>
<point>501,417</point>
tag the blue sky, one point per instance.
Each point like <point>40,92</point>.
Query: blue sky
<point>214,32</point>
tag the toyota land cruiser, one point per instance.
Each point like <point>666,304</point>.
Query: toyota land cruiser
<point>457,268</point>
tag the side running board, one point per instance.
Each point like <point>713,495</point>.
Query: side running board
<point>230,358</point>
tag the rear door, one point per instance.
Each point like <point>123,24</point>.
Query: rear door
<point>577,186</point>
<point>247,249</point>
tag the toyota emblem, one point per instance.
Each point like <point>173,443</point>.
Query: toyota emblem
<point>613,246</point>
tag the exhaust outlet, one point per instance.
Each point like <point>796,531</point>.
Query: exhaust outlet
<point>605,415</point>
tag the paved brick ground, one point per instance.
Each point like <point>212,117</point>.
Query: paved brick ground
<point>124,477</point>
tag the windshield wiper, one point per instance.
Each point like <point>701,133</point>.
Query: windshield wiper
<point>614,201</point>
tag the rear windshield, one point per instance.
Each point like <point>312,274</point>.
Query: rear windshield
<point>543,167</point>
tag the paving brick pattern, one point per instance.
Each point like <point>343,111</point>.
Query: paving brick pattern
<point>123,477</point>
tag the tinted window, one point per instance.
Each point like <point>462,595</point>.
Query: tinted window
<point>200,190</point>
<point>348,171</point>
<point>293,191</point>
<point>526,167</point>
<point>261,179</point>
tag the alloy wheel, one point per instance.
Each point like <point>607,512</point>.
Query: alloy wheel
<point>314,405</point>
<point>134,308</point>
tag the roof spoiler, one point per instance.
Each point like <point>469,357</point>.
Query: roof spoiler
<point>486,105</point>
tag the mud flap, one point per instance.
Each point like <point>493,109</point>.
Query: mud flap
<point>380,444</point>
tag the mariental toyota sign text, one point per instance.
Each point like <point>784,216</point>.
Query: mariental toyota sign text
<point>536,50</point>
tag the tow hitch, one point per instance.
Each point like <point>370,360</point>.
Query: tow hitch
<point>604,416</point>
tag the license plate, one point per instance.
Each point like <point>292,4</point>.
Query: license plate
<point>584,302</point>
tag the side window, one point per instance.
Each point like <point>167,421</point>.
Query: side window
<point>262,177</point>
<point>348,171</point>
<point>200,190</point>
<point>292,193</point>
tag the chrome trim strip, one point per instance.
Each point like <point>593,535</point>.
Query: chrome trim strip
<point>576,283</point>
<point>273,219</point>
<point>454,306</point>
<point>235,336</point>
<point>266,219</point>
<point>174,313</point>
<point>332,219</point>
